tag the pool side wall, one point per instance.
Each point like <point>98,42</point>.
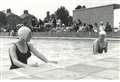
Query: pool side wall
<point>68,34</point>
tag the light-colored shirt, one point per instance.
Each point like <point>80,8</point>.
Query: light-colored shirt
<point>101,28</point>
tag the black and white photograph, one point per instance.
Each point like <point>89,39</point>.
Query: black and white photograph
<point>59,40</point>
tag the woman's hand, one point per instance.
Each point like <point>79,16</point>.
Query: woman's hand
<point>35,65</point>
<point>55,62</point>
<point>27,66</point>
<point>32,65</point>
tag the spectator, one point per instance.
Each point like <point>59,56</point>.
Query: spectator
<point>63,27</point>
<point>84,27</point>
<point>108,27</point>
<point>90,28</point>
<point>12,33</point>
<point>95,27</point>
<point>101,26</point>
<point>54,23</point>
<point>81,26</point>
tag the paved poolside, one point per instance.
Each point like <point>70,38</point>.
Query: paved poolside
<point>75,61</point>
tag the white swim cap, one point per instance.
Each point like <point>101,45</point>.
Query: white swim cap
<point>102,33</point>
<point>23,32</point>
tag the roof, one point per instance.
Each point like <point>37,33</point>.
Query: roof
<point>115,6</point>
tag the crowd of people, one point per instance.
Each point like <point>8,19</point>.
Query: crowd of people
<point>55,25</point>
<point>96,27</point>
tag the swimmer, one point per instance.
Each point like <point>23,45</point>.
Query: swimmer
<point>21,50</point>
<point>100,44</point>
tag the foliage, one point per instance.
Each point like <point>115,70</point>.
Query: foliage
<point>3,20</point>
<point>63,14</point>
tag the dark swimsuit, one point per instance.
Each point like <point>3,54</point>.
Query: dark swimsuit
<point>100,50</point>
<point>22,57</point>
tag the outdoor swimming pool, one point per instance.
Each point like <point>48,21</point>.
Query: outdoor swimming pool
<point>59,50</point>
<point>75,55</point>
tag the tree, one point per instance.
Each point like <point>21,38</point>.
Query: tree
<point>12,20</point>
<point>84,6</point>
<point>3,20</point>
<point>78,7</point>
<point>62,14</point>
<point>28,19</point>
<point>70,20</point>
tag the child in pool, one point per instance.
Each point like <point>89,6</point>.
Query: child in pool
<point>20,51</point>
<point>100,45</point>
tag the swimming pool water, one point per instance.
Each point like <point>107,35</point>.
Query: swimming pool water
<point>63,51</point>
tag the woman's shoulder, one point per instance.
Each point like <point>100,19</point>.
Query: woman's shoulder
<point>30,44</point>
<point>96,41</point>
<point>13,45</point>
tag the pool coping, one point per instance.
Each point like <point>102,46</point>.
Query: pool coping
<point>63,38</point>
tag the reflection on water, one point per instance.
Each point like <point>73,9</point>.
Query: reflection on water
<point>60,50</point>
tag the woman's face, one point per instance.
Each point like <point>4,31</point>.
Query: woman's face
<point>29,37</point>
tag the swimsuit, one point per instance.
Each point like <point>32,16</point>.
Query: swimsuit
<point>100,50</point>
<point>22,57</point>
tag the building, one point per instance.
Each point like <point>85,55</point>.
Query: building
<point>96,14</point>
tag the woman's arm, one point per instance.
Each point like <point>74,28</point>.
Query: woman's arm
<point>95,47</point>
<point>37,53</point>
<point>106,49</point>
<point>14,58</point>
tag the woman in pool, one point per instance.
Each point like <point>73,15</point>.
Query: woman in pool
<point>21,50</point>
<point>100,44</point>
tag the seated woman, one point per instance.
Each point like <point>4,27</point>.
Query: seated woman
<point>21,50</point>
<point>100,45</point>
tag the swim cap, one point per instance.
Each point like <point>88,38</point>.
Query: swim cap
<point>23,32</point>
<point>102,33</point>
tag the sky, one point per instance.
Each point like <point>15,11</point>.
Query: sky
<point>40,7</point>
